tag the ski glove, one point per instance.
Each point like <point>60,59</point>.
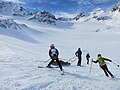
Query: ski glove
<point>110,60</point>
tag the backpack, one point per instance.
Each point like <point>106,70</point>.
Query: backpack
<point>53,52</point>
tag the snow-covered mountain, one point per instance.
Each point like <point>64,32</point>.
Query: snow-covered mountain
<point>116,7</point>
<point>6,7</point>
<point>79,16</point>
<point>10,28</point>
<point>63,19</point>
<point>100,14</point>
<point>9,24</point>
<point>10,8</point>
<point>20,11</point>
<point>44,17</point>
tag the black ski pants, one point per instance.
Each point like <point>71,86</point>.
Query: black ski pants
<point>58,62</point>
<point>79,61</point>
<point>87,60</point>
<point>106,71</point>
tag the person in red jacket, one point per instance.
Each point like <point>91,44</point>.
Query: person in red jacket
<point>53,53</point>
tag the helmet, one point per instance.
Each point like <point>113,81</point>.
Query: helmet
<point>99,55</point>
<point>52,45</point>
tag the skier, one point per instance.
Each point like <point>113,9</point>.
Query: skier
<point>103,65</point>
<point>78,54</point>
<point>53,53</point>
<point>87,57</point>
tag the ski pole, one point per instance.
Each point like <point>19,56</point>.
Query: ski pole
<point>116,64</point>
<point>71,58</point>
<point>47,60</point>
<point>91,66</point>
<point>62,59</point>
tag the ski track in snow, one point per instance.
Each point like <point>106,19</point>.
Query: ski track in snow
<point>19,59</point>
<point>29,77</point>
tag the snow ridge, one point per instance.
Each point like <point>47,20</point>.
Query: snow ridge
<point>10,8</point>
<point>9,23</point>
<point>44,17</point>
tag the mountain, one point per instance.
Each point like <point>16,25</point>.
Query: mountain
<point>81,15</point>
<point>6,7</point>
<point>44,16</point>
<point>20,11</point>
<point>10,28</point>
<point>10,24</point>
<point>10,8</point>
<point>116,7</point>
<point>100,14</point>
<point>63,19</point>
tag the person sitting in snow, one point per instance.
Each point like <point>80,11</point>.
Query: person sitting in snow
<point>87,57</point>
<point>53,53</point>
<point>103,65</point>
<point>78,54</point>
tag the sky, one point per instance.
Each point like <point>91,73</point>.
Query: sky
<point>65,6</point>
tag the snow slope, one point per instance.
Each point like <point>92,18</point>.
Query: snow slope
<point>19,57</point>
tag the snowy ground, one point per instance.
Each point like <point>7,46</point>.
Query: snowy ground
<point>19,58</point>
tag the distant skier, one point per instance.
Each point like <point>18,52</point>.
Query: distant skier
<point>78,54</point>
<point>53,53</point>
<point>103,65</point>
<point>87,57</point>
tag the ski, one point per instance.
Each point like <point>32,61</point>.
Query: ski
<point>46,67</point>
<point>62,73</point>
<point>113,78</point>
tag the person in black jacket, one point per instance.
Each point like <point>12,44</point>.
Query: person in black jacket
<point>53,53</point>
<point>87,57</point>
<point>78,54</point>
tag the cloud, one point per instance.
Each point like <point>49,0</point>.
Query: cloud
<point>54,3</point>
<point>100,1</point>
<point>64,14</point>
<point>15,1</point>
<point>31,1</point>
<point>85,2</point>
<point>24,1</point>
